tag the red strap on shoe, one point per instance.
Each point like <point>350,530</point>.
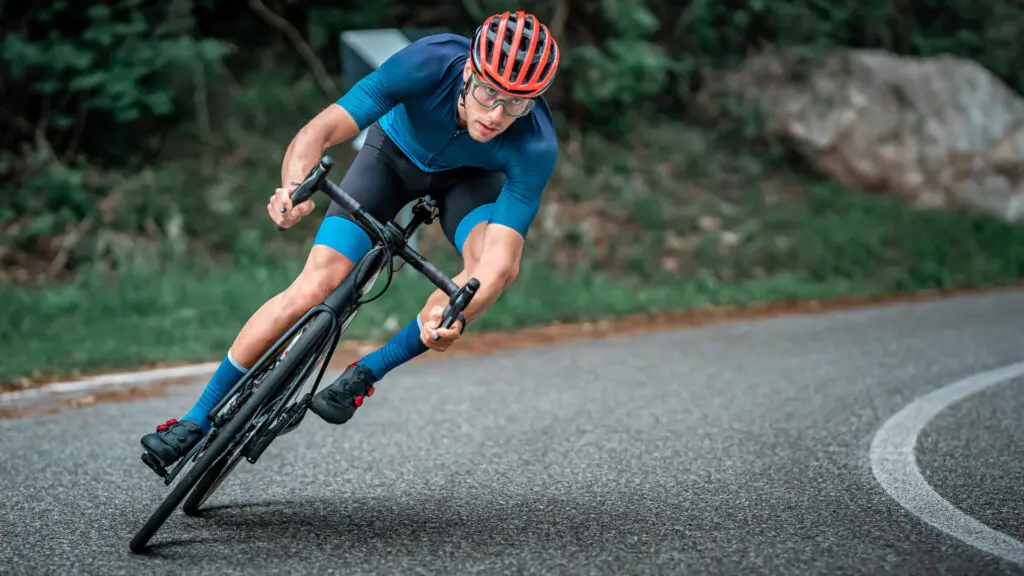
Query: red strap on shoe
<point>166,425</point>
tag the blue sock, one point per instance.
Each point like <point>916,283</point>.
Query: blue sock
<point>227,375</point>
<point>405,346</point>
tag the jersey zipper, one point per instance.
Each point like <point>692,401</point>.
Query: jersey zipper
<point>458,131</point>
<point>445,146</point>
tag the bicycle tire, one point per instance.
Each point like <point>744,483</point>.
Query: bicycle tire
<point>312,342</point>
<point>225,439</point>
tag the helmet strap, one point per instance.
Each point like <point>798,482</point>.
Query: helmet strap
<point>462,100</point>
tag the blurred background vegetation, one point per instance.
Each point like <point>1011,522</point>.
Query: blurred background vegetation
<point>139,141</point>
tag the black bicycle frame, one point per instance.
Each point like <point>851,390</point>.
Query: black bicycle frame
<point>387,239</point>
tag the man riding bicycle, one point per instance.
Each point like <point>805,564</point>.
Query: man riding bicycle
<point>461,120</point>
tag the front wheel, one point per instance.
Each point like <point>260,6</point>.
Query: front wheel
<point>311,342</point>
<point>230,435</point>
<point>209,483</point>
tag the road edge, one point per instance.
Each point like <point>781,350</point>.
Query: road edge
<point>475,344</point>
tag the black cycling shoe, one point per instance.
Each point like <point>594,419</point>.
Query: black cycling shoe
<point>337,403</point>
<point>172,440</point>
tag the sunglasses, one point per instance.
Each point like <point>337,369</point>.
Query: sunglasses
<point>489,97</point>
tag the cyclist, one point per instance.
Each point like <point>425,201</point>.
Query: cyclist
<point>460,119</point>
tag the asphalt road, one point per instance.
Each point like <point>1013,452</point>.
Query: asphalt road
<point>729,449</point>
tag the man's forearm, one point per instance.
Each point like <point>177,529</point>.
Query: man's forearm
<point>493,280</point>
<point>303,153</point>
<point>330,127</point>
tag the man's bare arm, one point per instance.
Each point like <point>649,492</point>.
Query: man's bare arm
<point>503,247</point>
<point>495,269</point>
<point>332,126</point>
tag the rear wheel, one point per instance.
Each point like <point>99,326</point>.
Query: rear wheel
<point>221,442</point>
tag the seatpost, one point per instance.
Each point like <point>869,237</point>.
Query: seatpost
<point>423,212</point>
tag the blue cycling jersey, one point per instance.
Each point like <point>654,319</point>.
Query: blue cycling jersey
<point>414,94</point>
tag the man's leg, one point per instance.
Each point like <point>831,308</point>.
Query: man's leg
<point>466,201</point>
<point>337,403</point>
<point>338,245</point>
<point>326,267</point>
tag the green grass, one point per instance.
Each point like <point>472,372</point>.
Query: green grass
<point>826,244</point>
<point>193,315</point>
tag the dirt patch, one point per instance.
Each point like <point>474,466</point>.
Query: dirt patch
<point>53,404</point>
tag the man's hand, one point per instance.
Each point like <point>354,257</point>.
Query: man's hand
<point>431,328</point>
<point>283,213</point>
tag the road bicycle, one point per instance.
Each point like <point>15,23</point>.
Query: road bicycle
<point>267,401</point>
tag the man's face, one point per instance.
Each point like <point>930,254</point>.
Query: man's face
<point>484,124</point>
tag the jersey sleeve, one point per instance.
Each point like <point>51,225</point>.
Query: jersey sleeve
<point>406,74</point>
<point>525,178</point>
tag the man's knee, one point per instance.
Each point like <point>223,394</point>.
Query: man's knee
<point>339,243</point>
<point>325,269</point>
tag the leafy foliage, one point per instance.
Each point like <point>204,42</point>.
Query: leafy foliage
<point>130,125</point>
<point>145,137</point>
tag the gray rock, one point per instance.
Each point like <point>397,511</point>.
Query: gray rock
<point>941,132</point>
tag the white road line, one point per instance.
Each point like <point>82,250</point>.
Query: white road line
<point>110,380</point>
<point>895,465</point>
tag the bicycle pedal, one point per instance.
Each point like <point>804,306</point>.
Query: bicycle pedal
<point>153,463</point>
